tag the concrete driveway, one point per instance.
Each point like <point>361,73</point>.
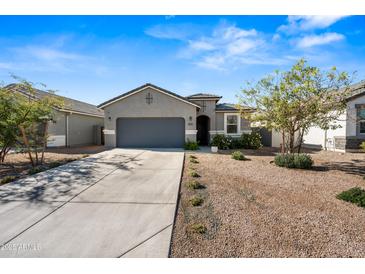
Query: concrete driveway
<point>118,203</point>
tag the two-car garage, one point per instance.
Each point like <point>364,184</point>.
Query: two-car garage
<point>161,132</point>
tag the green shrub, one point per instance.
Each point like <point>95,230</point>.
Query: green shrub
<point>199,228</point>
<point>190,145</point>
<point>35,170</point>
<point>251,141</point>
<point>196,201</point>
<point>354,195</point>
<point>192,157</point>
<point>193,173</point>
<point>362,146</point>
<point>195,185</point>
<point>221,141</point>
<point>302,161</point>
<point>194,161</point>
<point>238,155</point>
<point>7,179</point>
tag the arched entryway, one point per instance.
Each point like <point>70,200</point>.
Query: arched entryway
<point>203,127</point>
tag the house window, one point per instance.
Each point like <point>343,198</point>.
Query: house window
<point>232,123</point>
<point>361,117</point>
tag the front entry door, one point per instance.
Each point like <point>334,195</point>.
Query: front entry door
<point>202,125</point>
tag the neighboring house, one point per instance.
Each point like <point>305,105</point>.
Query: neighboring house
<point>150,116</point>
<point>76,124</point>
<point>352,131</point>
<point>348,136</point>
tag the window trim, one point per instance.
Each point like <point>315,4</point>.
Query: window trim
<point>360,119</point>
<point>238,123</point>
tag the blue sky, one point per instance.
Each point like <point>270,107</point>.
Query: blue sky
<point>94,58</point>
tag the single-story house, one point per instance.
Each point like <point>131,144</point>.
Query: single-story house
<point>352,131</point>
<point>150,116</point>
<point>76,124</point>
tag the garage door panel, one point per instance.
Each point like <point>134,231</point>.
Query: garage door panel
<point>150,132</point>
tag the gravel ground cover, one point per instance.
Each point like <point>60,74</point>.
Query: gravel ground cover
<point>254,209</point>
<point>17,164</point>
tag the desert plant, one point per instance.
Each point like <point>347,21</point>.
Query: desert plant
<point>194,161</point>
<point>221,141</point>
<point>7,179</point>
<point>354,195</point>
<point>251,141</point>
<point>199,228</point>
<point>196,201</point>
<point>238,155</point>
<point>193,173</point>
<point>190,145</point>
<point>362,146</point>
<point>195,185</point>
<point>192,157</point>
<point>289,160</point>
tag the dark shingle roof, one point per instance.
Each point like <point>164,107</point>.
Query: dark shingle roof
<point>204,95</point>
<point>144,86</point>
<point>69,104</point>
<point>226,106</point>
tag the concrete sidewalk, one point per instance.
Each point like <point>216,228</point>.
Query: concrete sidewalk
<point>118,203</point>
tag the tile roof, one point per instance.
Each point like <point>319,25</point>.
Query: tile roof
<point>357,90</point>
<point>229,107</point>
<point>70,104</point>
<point>144,86</point>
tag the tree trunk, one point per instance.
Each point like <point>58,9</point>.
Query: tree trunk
<point>34,134</point>
<point>44,141</point>
<point>300,141</point>
<point>283,142</point>
<point>25,140</point>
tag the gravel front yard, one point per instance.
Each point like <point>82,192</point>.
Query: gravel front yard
<point>255,209</point>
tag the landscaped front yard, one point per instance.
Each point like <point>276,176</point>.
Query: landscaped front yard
<point>255,209</point>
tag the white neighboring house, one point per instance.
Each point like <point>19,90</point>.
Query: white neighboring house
<point>348,137</point>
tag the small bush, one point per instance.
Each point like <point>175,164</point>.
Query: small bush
<point>193,173</point>
<point>221,141</point>
<point>194,161</point>
<point>35,170</point>
<point>302,161</point>
<point>251,141</point>
<point>238,155</point>
<point>192,157</point>
<point>196,201</point>
<point>7,179</point>
<point>195,185</point>
<point>190,145</point>
<point>199,228</point>
<point>362,146</point>
<point>354,195</point>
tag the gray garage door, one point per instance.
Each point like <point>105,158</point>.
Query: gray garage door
<point>150,132</point>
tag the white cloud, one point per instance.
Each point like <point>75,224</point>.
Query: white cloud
<point>171,31</point>
<point>317,40</point>
<point>308,22</point>
<point>45,53</point>
<point>201,45</point>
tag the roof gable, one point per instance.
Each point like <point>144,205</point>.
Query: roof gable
<point>143,87</point>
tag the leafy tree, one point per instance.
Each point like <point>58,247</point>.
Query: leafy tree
<point>9,130</point>
<point>291,102</point>
<point>34,115</point>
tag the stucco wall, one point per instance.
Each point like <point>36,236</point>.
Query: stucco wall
<point>136,106</point>
<point>352,125</point>
<point>81,129</point>
<point>57,130</point>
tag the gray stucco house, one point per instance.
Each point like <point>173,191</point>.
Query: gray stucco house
<point>76,124</point>
<point>150,116</point>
